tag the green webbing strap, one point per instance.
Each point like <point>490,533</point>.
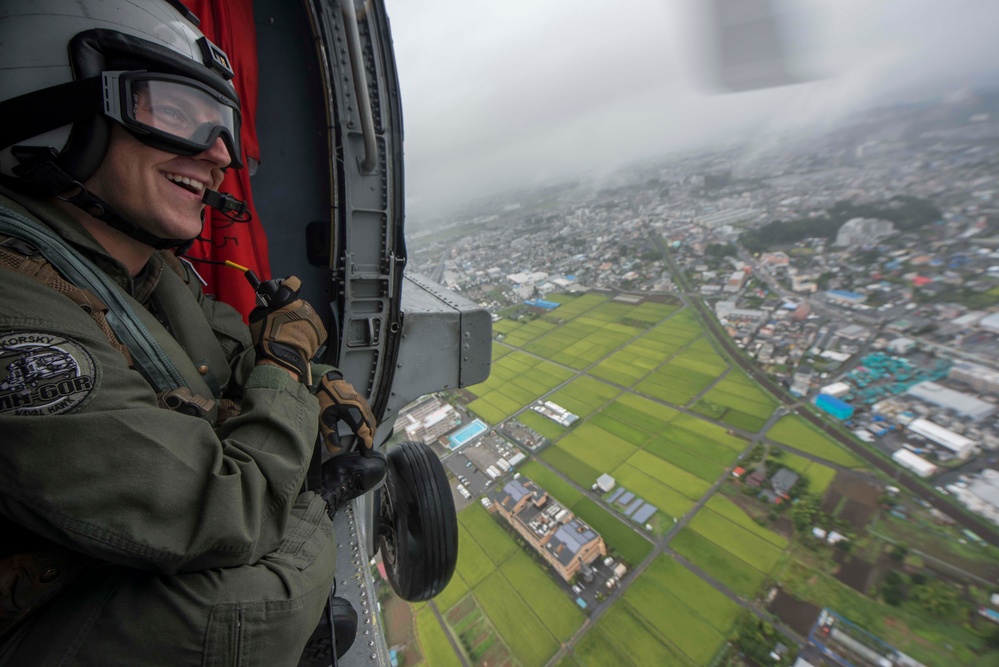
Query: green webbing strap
<point>148,356</point>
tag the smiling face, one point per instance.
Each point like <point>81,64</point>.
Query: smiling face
<point>159,191</point>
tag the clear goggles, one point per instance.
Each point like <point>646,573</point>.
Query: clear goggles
<point>173,113</point>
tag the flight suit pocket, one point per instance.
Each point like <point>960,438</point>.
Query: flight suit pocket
<point>310,536</point>
<point>279,599</point>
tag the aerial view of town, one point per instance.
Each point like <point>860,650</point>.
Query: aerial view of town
<point>743,408</point>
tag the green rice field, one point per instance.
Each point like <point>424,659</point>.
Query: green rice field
<point>819,476</point>
<point>584,395</point>
<point>795,432</point>
<point>737,401</point>
<point>755,550</point>
<point>623,637</point>
<point>515,621</point>
<point>433,642</point>
<point>728,569</point>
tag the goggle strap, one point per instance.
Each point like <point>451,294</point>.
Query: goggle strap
<point>47,109</point>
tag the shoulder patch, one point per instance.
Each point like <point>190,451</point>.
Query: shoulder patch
<point>44,374</point>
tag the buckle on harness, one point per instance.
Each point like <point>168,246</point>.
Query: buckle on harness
<point>183,401</point>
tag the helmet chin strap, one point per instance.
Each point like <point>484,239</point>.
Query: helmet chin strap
<point>87,201</point>
<point>39,170</point>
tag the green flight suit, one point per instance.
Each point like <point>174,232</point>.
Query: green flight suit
<point>204,550</point>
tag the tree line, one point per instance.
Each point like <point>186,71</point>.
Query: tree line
<point>908,213</point>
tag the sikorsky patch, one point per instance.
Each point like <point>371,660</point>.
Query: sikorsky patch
<point>43,374</point>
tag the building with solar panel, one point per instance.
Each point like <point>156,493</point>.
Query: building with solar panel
<point>566,542</point>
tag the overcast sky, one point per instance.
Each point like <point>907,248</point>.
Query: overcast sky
<point>505,94</point>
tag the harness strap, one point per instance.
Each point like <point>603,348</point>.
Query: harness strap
<point>23,258</point>
<point>148,357</point>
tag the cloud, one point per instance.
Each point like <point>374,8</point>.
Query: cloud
<point>500,95</point>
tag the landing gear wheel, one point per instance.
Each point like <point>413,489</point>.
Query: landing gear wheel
<point>418,527</point>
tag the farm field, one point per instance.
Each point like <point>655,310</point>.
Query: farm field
<point>624,637</point>
<point>660,411</point>
<point>728,569</point>
<point>516,380</point>
<point>819,476</point>
<point>581,342</point>
<point>760,553</point>
<point>737,401</point>
<point>433,642</point>
<point>541,424</point>
<point>584,395</point>
<point>794,431</point>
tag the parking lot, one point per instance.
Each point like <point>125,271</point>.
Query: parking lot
<point>469,466</point>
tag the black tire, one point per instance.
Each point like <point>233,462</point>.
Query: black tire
<point>418,535</point>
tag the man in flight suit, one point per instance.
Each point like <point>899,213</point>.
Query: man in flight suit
<point>153,450</point>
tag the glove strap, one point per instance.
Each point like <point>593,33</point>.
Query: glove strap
<point>288,358</point>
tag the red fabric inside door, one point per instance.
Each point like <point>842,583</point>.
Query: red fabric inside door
<point>229,24</point>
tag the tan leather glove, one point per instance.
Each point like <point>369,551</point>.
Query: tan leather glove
<point>339,401</point>
<point>287,330</point>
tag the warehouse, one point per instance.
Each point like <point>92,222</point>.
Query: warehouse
<point>916,464</point>
<point>961,447</point>
<point>961,404</point>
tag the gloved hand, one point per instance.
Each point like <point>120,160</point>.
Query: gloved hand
<point>287,330</point>
<point>339,401</point>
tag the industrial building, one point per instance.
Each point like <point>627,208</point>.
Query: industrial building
<point>914,462</point>
<point>990,323</point>
<point>963,405</point>
<point>727,217</point>
<point>981,496</point>
<point>836,389</point>
<point>980,378</point>
<point>959,445</point>
<point>555,412</point>
<point>564,541</point>
<point>833,406</point>
<point>428,419</point>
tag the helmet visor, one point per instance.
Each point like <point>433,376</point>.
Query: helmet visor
<point>173,113</point>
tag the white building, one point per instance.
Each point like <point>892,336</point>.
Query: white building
<point>981,496</point>
<point>428,419</point>
<point>913,462</point>
<point>979,378</point>
<point>990,323</point>
<point>957,402</point>
<point>961,446</point>
<point>836,389</point>
<point>863,231</point>
<point>605,483</point>
<point>901,345</point>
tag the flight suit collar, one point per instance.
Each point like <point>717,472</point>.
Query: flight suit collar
<point>77,236</point>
